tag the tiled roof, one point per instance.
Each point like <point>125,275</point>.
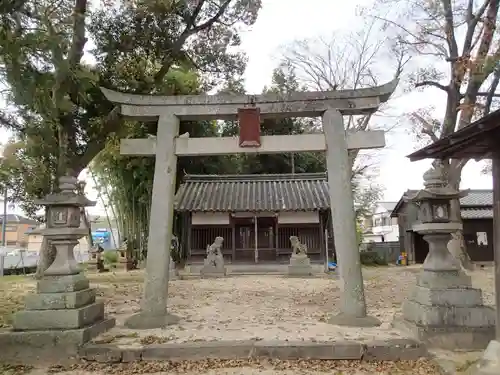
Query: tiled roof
<point>477,198</point>
<point>240,193</point>
<point>478,204</point>
<point>389,206</point>
<point>13,218</point>
<point>476,213</point>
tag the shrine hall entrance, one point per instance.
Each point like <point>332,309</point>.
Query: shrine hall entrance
<point>255,239</point>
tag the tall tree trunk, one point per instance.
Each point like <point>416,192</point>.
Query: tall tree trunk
<point>88,225</point>
<point>456,246</point>
<point>47,253</point>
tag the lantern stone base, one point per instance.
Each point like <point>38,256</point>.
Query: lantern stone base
<point>300,265</point>
<point>445,312</point>
<point>26,345</point>
<point>63,304</point>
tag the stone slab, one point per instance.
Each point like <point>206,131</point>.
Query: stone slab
<point>448,338</point>
<point>309,350</point>
<point>198,350</point>
<point>20,344</point>
<point>341,350</point>
<point>57,301</point>
<point>460,297</point>
<point>62,284</point>
<point>395,350</point>
<point>58,319</point>
<point>454,316</point>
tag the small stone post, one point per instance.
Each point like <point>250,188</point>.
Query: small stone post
<point>444,310</point>
<point>63,309</point>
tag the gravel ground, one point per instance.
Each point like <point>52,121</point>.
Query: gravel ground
<point>265,307</point>
<point>263,367</point>
<point>252,307</point>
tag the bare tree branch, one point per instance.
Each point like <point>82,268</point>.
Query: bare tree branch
<point>434,84</point>
<point>191,29</point>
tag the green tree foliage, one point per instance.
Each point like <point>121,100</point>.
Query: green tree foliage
<point>128,180</point>
<point>284,82</point>
<point>59,113</point>
<point>57,107</point>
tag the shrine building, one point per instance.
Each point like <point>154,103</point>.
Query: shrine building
<point>255,214</point>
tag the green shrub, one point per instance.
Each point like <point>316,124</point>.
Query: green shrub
<point>110,257</point>
<point>371,258</point>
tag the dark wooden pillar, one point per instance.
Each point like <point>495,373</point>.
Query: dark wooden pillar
<point>233,238</point>
<point>276,242</point>
<point>322,244</point>
<point>188,234</point>
<point>496,236</point>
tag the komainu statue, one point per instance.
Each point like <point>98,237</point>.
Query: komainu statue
<point>214,253</point>
<point>298,248</point>
<point>214,262</point>
<point>300,265</point>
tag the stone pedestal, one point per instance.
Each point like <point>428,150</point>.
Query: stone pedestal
<point>300,266</point>
<point>61,303</point>
<point>211,270</point>
<point>443,309</point>
<point>59,318</point>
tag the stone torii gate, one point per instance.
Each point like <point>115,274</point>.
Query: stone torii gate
<point>170,110</point>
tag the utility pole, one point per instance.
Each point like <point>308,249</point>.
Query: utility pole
<point>4,218</point>
<point>4,229</point>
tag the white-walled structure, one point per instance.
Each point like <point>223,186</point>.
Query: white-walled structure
<point>382,227</point>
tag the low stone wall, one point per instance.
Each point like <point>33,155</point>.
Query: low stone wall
<point>388,350</point>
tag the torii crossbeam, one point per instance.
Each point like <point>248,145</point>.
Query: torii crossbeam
<point>330,105</point>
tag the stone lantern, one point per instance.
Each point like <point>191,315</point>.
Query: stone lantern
<point>434,221</point>
<point>443,309</point>
<point>64,309</point>
<point>63,225</point>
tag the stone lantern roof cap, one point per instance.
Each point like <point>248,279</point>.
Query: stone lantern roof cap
<point>436,186</point>
<point>71,194</point>
<point>437,194</point>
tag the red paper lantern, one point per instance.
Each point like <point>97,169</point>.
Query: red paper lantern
<point>249,119</point>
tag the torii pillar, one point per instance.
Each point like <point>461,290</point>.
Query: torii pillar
<point>330,105</point>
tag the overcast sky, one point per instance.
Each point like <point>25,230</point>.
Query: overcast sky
<point>278,25</point>
<point>280,22</point>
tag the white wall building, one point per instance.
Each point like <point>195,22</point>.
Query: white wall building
<point>383,227</point>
